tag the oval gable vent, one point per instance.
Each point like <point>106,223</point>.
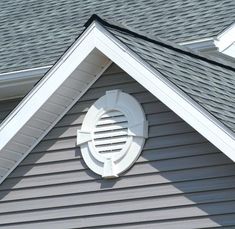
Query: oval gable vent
<point>112,134</point>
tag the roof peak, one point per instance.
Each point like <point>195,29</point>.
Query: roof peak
<point>156,40</point>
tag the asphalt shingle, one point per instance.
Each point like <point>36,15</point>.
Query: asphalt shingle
<point>210,84</point>
<point>36,33</point>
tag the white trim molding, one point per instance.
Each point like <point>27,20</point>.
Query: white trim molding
<point>225,38</point>
<point>69,79</point>
<point>225,41</point>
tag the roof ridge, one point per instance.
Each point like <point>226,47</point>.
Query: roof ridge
<point>157,40</point>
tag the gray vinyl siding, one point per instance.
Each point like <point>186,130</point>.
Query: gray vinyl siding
<point>6,106</point>
<point>179,181</point>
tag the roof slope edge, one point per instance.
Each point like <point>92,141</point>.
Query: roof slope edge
<point>156,40</point>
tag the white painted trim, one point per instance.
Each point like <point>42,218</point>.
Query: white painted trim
<point>167,92</point>
<point>226,38</point>
<point>54,123</point>
<point>39,95</point>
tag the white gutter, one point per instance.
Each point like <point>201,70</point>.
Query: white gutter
<point>18,83</point>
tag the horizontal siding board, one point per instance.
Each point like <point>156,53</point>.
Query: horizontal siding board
<point>155,142</point>
<point>163,178</point>
<point>162,188</point>
<point>177,151</point>
<point>168,176</point>
<point>173,140</point>
<point>113,79</point>
<point>160,130</point>
<point>42,157</point>
<point>146,155</point>
<point>149,108</point>
<point>153,119</point>
<point>146,167</point>
<point>179,180</point>
<point>163,210</point>
<point>144,216</point>
<point>199,222</point>
<point>95,93</point>
<point>117,196</point>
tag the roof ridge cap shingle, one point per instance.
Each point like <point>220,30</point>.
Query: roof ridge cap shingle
<point>157,40</point>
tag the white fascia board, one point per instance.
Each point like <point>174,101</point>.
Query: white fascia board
<point>226,38</point>
<point>47,86</point>
<point>167,92</point>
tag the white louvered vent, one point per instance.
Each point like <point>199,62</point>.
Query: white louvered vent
<point>111,133</point>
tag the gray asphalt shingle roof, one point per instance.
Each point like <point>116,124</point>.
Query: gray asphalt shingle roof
<point>210,84</point>
<point>36,33</point>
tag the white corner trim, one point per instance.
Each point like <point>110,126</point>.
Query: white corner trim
<point>226,38</point>
<point>113,133</point>
<point>168,93</point>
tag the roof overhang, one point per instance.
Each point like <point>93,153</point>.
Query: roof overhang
<point>72,76</point>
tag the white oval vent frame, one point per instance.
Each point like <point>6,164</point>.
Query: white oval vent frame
<point>112,134</point>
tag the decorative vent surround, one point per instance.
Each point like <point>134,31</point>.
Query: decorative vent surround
<point>112,134</point>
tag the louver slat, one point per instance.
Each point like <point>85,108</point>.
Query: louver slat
<point>111,132</point>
